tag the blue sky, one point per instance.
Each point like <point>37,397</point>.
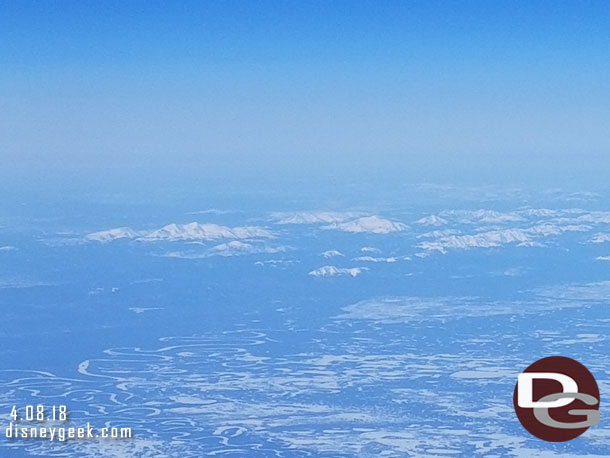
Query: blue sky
<point>305,85</point>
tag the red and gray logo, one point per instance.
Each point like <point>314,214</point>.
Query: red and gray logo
<point>556,399</point>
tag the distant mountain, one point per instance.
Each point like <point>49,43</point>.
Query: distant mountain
<point>432,220</point>
<point>196,231</point>
<point>113,234</point>
<point>333,271</point>
<point>313,217</point>
<point>369,224</point>
<point>175,232</point>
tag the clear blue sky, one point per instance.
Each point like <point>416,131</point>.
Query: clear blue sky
<point>289,84</point>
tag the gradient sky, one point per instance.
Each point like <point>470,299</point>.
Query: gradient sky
<point>298,84</point>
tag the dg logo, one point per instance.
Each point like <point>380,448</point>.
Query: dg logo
<point>556,399</point>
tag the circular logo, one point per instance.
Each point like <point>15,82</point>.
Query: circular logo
<point>556,399</point>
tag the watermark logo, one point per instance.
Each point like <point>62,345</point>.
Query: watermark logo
<point>556,399</point>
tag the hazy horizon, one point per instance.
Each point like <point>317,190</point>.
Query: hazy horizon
<point>318,87</point>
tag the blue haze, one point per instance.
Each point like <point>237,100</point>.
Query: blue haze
<point>234,85</point>
<point>398,207</point>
